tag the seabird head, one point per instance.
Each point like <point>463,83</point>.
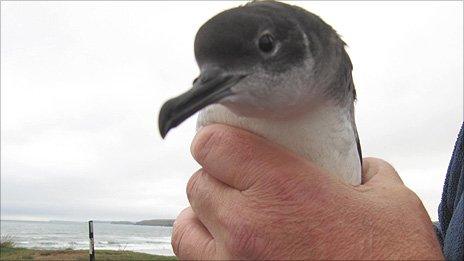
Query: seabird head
<point>266,60</point>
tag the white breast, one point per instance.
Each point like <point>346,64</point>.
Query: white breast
<point>325,137</point>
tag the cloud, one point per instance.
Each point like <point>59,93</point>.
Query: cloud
<point>82,84</point>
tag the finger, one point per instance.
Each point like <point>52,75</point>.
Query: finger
<point>368,169</point>
<point>240,158</point>
<point>212,201</point>
<point>377,171</point>
<point>190,240</point>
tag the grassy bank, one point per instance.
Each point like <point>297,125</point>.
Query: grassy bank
<point>14,253</point>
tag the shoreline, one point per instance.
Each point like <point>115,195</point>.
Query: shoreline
<point>20,253</point>
<point>59,235</point>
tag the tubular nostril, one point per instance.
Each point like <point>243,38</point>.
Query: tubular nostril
<point>209,74</point>
<point>205,78</point>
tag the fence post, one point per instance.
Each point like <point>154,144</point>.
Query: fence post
<point>91,247</point>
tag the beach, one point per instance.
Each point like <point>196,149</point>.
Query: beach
<point>65,235</point>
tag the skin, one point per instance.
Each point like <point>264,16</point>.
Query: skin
<point>255,200</point>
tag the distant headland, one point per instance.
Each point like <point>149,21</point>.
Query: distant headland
<point>149,222</point>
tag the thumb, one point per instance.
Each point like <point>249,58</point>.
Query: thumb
<point>377,171</point>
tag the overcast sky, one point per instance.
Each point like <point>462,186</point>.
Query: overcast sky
<point>82,84</point>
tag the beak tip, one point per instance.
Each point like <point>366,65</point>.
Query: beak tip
<point>163,121</point>
<point>164,128</point>
<point>176,110</point>
<point>163,133</point>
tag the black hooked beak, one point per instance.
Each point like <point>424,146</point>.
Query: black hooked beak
<point>209,88</point>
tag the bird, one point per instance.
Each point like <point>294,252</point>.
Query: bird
<point>281,72</point>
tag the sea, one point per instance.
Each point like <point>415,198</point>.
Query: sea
<point>65,234</point>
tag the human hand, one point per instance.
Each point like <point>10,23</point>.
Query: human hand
<point>256,200</point>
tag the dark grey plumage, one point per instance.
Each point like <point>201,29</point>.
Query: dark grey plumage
<point>333,67</point>
<point>227,53</point>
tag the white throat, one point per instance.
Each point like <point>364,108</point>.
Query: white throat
<point>325,137</point>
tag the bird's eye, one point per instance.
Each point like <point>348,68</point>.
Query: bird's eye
<point>266,43</point>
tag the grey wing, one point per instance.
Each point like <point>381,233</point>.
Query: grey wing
<point>356,136</point>
<point>358,143</point>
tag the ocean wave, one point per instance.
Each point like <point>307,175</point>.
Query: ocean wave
<point>48,243</point>
<point>44,235</point>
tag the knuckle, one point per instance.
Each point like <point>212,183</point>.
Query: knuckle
<point>384,167</point>
<point>412,197</point>
<point>226,142</point>
<point>382,164</point>
<point>178,233</point>
<point>373,160</point>
<point>387,166</point>
<point>205,142</point>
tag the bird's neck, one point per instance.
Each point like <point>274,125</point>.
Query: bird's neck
<point>324,136</point>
